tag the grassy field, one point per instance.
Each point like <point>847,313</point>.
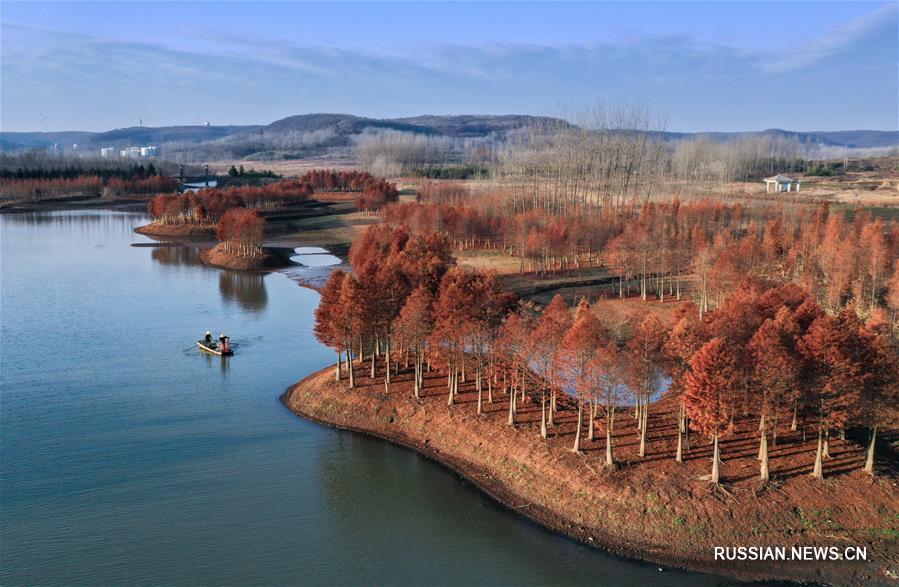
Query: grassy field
<point>334,231</point>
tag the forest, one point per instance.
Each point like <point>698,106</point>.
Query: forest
<point>786,323</point>
<point>660,249</point>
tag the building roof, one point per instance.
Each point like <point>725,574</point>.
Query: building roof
<point>780,178</point>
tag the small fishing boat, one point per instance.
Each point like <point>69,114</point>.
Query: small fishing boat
<point>214,349</point>
<point>221,348</point>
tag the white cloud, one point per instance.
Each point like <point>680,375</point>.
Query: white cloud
<point>835,42</point>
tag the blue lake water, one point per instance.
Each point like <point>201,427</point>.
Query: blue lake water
<point>130,457</point>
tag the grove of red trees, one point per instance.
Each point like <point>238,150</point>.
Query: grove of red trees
<point>672,249</point>
<point>330,180</point>
<point>36,189</point>
<point>767,353</point>
<point>372,192</point>
<point>207,207</point>
<point>375,194</point>
<point>241,232</point>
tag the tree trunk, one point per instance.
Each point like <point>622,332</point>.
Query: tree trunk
<point>679,457</point>
<point>869,462</point>
<point>610,461</point>
<point>337,370</point>
<point>511,420</point>
<point>762,431</point>
<point>387,362</point>
<point>645,419</point>
<point>715,460</point>
<point>818,471</point>
<point>763,456</point>
<point>480,402</point>
<point>543,416</point>
<point>590,436</point>
<point>350,367</point>
<point>452,387</point>
<point>826,453</point>
<point>577,433</point>
<point>552,406</point>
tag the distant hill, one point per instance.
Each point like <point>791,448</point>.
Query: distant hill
<point>308,135</point>
<point>475,125</point>
<point>339,124</point>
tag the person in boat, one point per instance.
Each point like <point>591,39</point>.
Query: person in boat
<point>207,340</point>
<point>223,342</point>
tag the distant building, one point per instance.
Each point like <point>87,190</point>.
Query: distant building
<point>782,183</point>
<point>138,152</point>
<point>108,152</point>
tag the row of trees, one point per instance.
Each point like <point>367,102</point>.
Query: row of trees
<point>207,206</point>
<point>43,165</point>
<point>372,192</point>
<point>331,180</point>
<point>37,189</point>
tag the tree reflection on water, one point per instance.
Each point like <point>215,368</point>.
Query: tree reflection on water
<point>176,256</point>
<point>247,289</point>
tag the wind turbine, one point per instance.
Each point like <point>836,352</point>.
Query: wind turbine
<point>43,118</point>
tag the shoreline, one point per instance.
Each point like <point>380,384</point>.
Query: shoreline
<point>273,259</point>
<point>71,203</point>
<point>176,231</point>
<point>469,446</point>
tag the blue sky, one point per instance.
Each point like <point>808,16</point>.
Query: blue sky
<point>703,66</point>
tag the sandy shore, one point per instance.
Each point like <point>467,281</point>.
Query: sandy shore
<point>563,492</point>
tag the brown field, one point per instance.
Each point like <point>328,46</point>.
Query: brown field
<point>287,167</point>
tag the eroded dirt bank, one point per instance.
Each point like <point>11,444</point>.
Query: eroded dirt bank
<point>653,510</point>
<point>271,258</point>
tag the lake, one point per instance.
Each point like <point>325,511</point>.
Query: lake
<point>130,457</point>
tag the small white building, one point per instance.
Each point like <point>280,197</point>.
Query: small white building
<point>148,151</point>
<point>108,152</point>
<point>782,183</point>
